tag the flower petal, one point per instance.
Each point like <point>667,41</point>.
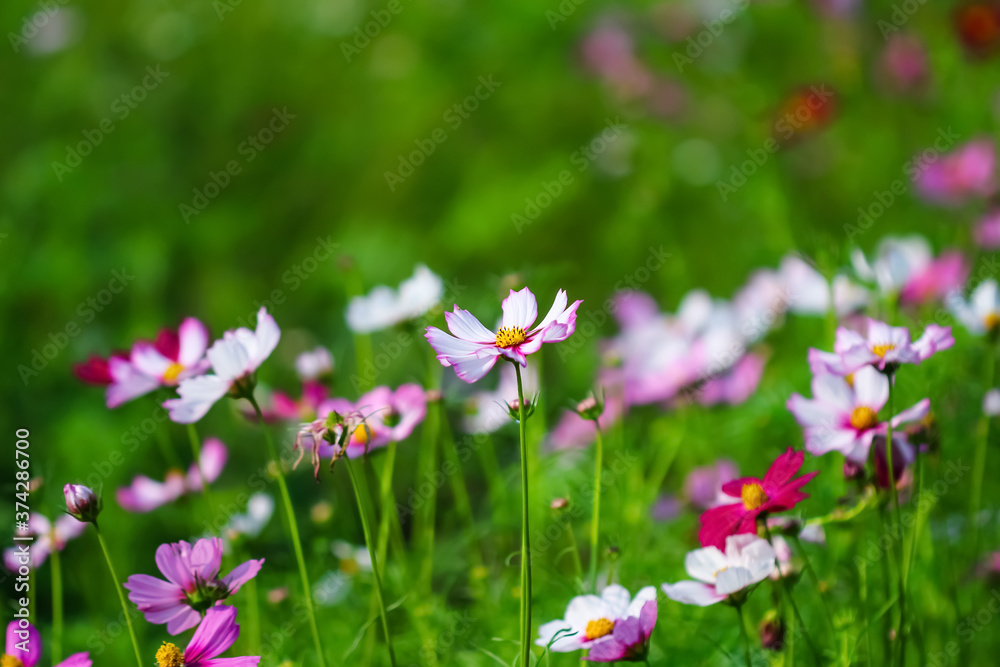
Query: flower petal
<point>520,309</point>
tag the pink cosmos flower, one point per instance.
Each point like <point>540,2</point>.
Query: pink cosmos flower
<point>777,492</point>
<point>903,65</point>
<point>611,627</point>
<point>885,348</point>
<point>896,260</point>
<point>235,359</point>
<point>942,275</point>
<point>987,230</point>
<point>473,349</point>
<point>23,648</point>
<point>214,636</point>
<point>48,536</point>
<point>965,173</point>
<point>735,385</point>
<point>173,357</point>
<point>843,416</point>
<point>379,417</point>
<point>193,584</point>
<point>145,494</point>
<point>717,575</point>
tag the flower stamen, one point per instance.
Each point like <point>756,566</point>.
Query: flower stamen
<point>880,350</point>
<point>992,322</point>
<point>173,371</point>
<point>753,496</point>
<point>10,661</point>
<point>510,336</point>
<point>863,418</point>
<point>363,434</point>
<point>169,656</point>
<point>599,628</point>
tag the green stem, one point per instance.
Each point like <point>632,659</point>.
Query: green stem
<point>743,633</point>
<point>979,465</point>
<point>595,521</point>
<point>363,512</point>
<point>388,505</point>
<point>57,607</point>
<point>894,494</point>
<point>121,596</point>
<point>815,579</point>
<point>790,598</point>
<point>196,451</point>
<point>576,550</point>
<point>293,528</point>
<point>163,441</point>
<point>525,543</point>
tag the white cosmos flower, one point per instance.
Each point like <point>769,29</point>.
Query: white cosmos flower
<point>384,307</point>
<point>981,313</point>
<point>314,363</point>
<point>590,620</point>
<point>748,559</point>
<point>234,358</point>
<point>896,260</point>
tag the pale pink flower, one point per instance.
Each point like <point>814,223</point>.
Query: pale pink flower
<point>597,624</point>
<point>843,417</point>
<point>935,280</point>
<point>884,347</point>
<point>48,536</point>
<point>473,349</point>
<point>965,173</point>
<point>145,494</point>
<point>747,559</point>
<point>987,230</point>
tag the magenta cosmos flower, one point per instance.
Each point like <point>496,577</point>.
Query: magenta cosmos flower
<point>611,627</point>
<point>215,635</point>
<point>174,356</point>
<point>193,584</point>
<point>145,494</point>
<point>473,349</point>
<point>885,348</point>
<point>777,492</point>
<point>842,416</point>
<point>235,359</point>
<point>23,648</point>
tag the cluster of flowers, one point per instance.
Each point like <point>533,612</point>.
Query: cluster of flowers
<point>703,353</point>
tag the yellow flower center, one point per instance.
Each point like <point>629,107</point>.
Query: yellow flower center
<point>863,418</point>
<point>510,336</point>
<point>715,575</point>
<point>880,350</point>
<point>599,628</point>
<point>753,496</point>
<point>10,661</point>
<point>173,370</point>
<point>363,434</point>
<point>849,378</point>
<point>169,656</point>
<point>992,322</point>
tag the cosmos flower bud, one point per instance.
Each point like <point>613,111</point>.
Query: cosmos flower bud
<point>559,504</point>
<point>434,395</point>
<point>514,408</point>
<point>772,631</point>
<point>82,503</point>
<point>590,408</point>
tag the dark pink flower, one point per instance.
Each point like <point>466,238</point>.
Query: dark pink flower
<point>777,492</point>
<point>214,636</point>
<point>193,584</point>
<point>95,369</point>
<point>987,230</point>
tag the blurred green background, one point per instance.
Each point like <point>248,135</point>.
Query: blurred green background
<point>323,176</point>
